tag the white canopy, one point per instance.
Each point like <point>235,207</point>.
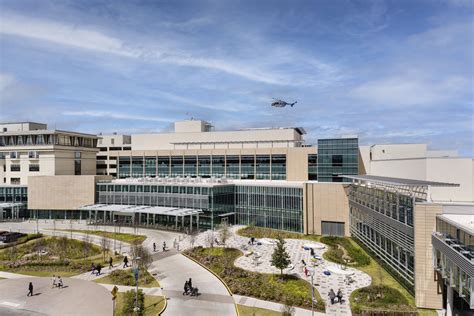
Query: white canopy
<point>159,210</point>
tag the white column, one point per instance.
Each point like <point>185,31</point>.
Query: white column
<point>449,301</point>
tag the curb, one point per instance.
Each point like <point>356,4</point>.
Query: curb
<point>218,277</point>
<point>164,307</point>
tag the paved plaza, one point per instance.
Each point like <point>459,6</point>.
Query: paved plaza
<point>297,253</point>
<point>78,297</point>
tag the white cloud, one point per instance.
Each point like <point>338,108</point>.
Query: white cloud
<point>89,39</point>
<point>406,90</point>
<point>115,115</point>
<point>6,80</point>
<point>44,30</point>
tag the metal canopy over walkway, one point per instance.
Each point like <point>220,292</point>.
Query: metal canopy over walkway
<point>112,210</point>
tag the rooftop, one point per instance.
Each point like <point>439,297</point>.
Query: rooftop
<point>400,181</point>
<point>462,221</point>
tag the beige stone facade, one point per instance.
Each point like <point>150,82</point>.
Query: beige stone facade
<point>62,192</point>
<point>324,202</point>
<point>428,286</point>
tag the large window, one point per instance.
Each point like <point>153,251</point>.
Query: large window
<point>163,166</point>
<point>176,166</point>
<point>232,167</point>
<point>150,166</point>
<point>218,166</point>
<point>124,167</point>
<point>137,167</point>
<point>204,166</point>
<point>337,157</point>
<point>247,167</point>
<point>263,166</point>
<point>312,167</point>
<point>190,166</point>
<point>278,167</point>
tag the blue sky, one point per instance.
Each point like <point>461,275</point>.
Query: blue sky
<point>389,71</point>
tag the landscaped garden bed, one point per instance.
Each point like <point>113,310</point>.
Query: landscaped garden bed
<point>345,248</point>
<point>125,237</point>
<point>126,277</point>
<point>271,287</point>
<point>46,256</point>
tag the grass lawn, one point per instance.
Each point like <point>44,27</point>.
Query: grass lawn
<point>255,311</point>
<point>128,238</point>
<point>153,304</point>
<point>270,287</point>
<point>360,258</point>
<point>51,255</point>
<point>21,240</point>
<point>125,277</point>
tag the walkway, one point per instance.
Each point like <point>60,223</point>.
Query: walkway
<point>254,302</point>
<point>322,282</point>
<point>93,299</point>
<point>173,270</point>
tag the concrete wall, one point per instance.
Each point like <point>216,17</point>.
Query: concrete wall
<point>22,126</point>
<point>452,170</point>
<point>428,290</point>
<point>324,202</point>
<point>163,141</point>
<point>61,192</point>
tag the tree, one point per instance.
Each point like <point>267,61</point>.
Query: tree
<point>129,303</point>
<point>146,259</point>
<point>105,245</point>
<point>288,309</point>
<point>210,239</point>
<point>86,248</point>
<point>224,232</point>
<point>280,257</point>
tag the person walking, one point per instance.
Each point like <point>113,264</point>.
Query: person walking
<point>332,296</point>
<point>30,289</point>
<point>154,247</point>
<point>99,267</point>
<point>92,268</point>
<point>190,283</point>
<point>111,263</point>
<point>53,281</point>
<point>60,282</point>
<point>186,288</point>
<point>125,262</point>
<point>339,296</point>
<point>164,246</point>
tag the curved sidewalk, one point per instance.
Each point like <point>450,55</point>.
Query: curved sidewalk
<point>174,270</point>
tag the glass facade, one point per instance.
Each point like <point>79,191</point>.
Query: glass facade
<point>382,220</point>
<point>337,157</point>
<point>17,194</point>
<point>261,167</point>
<point>214,201</point>
<point>272,207</point>
<point>313,167</point>
<point>453,258</point>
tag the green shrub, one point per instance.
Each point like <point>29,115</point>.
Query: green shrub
<point>129,303</point>
<point>359,258</point>
<point>379,297</point>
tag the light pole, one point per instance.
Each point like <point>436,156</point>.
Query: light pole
<point>115,234</point>
<point>136,271</point>
<point>312,291</point>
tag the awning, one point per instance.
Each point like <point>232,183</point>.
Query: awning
<point>8,204</point>
<point>131,209</point>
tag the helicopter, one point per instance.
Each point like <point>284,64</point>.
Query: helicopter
<point>281,104</point>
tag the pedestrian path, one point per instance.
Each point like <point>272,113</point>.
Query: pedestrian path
<point>155,291</point>
<point>88,276</point>
<point>9,275</point>
<point>254,302</point>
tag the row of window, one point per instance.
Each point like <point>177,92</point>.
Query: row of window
<point>34,167</point>
<point>149,188</point>
<point>17,155</point>
<point>48,139</point>
<point>394,205</point>
<point>9,194</point>
<point>236,167</point>
<point>400,259</point>
<point>337,157</point>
